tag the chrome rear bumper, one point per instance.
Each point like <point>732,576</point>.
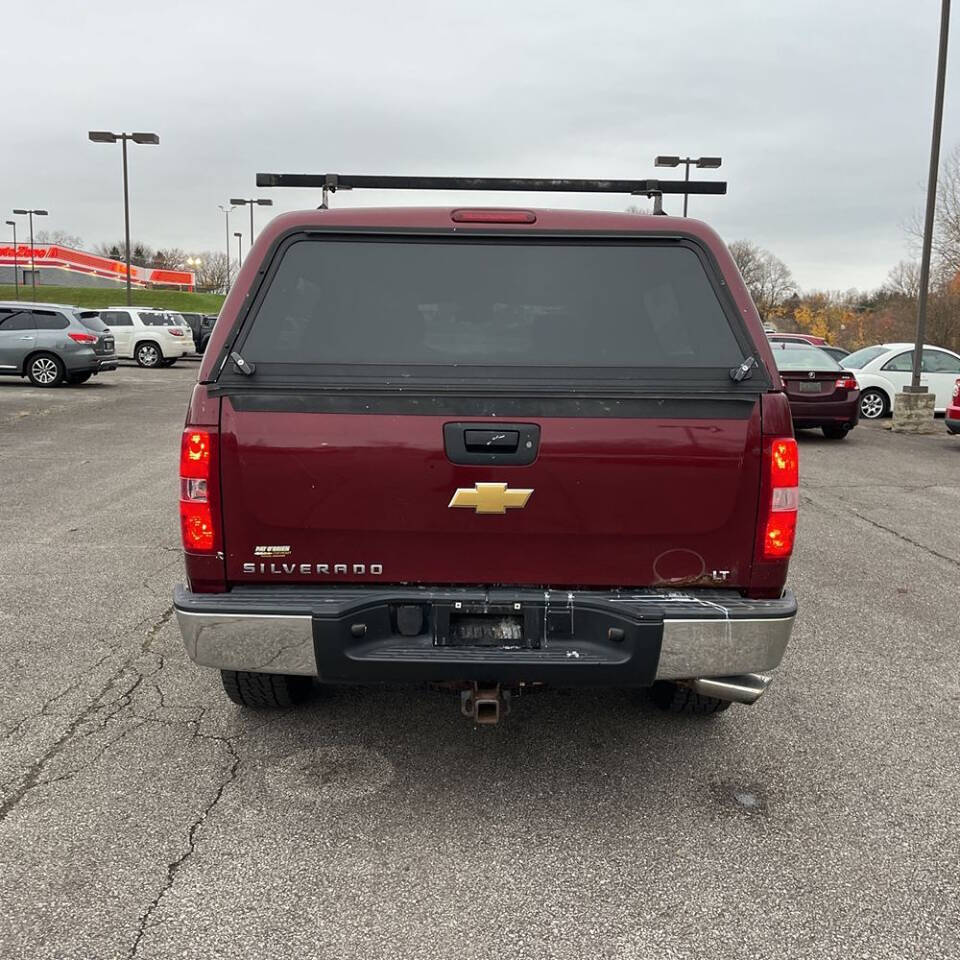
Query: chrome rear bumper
<point>284,630</point>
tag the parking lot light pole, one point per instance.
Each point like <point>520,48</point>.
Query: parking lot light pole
<point>33,267</point>
<point>105,136</point>
<point>239,237</point>
<point>913,407</point>
<point>226,215</point>
<point>931,200</point>
<point>704,163</point>
<point>252,202</point>
<point>16,267</point>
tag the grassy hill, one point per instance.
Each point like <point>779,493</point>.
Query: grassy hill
<point>96,297</point>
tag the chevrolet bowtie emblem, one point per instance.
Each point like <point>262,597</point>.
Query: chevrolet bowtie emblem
<point>490,498</point>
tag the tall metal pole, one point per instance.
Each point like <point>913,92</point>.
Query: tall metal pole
<point>126,215</point>
<point>686,179</point>
<point>931,201</point>
<point>16,265</point>
<point>226,215</point>
<point>251,223</point>
<point>33,266</point>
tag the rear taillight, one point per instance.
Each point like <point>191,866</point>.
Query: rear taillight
<point>956,390</point>
<point>847,383</point>
<point>83,337</point>
<point>781,526</point>
<point>197,452</point>
<point>176,331</point>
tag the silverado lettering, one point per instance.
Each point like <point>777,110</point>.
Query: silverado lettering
<point>321,569</point>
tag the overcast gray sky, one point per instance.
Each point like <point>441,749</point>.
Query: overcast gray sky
<point>820,110</point>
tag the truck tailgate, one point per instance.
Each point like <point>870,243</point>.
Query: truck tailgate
<point>639,493</point>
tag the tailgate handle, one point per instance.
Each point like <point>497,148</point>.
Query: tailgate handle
<point>491,441</point>
<point>506,444</point>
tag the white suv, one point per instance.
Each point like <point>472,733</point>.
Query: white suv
<point>154,338</point>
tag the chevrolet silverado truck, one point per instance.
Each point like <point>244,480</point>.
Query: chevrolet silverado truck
<point>488,448</point>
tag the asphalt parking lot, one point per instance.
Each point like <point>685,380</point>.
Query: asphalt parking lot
<point>143,815</point>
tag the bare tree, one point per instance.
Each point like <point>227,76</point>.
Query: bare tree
<point>903,280</point>
<point>945,261</point>
<point>171,259</point>
<point>141,255</point>
<point>211,274</point>
<point>767,277</point>
<point>60,237</point>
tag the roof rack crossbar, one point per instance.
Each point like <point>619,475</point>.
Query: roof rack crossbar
<point>334,182</point>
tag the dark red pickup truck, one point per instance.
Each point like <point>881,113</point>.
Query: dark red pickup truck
<point>489,448</point>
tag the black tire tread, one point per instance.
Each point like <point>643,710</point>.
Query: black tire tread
<point>264,691</point>
<point>61,378</point>
<point>883,396</point>
<point>136,350</point>
<point>676,698</point>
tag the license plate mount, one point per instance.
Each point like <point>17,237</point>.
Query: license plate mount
<point>482,624</point>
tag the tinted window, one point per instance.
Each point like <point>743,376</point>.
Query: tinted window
<point>902,363</point>
<point>16,321</point>
<point>803,358</point>
<point>161,320</point>
<point>838,353</point>
<point>860,358</point>
<point>491,304</point>
<point>936,361</point>
<point>116,318</point>
<point>50,321</point>
<point>91,320</point>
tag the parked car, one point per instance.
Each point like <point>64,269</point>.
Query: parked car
<point>952,414</point>
<point>796,338</point>
<point>885,369</point>
<point>822,394</point>
<point>201,326</point>
<point>51,343</point>
<point>154,338</point>
<point>441,450</point>
<point>838,353</point>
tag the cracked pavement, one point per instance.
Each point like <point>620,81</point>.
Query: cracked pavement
<point>143,815</point>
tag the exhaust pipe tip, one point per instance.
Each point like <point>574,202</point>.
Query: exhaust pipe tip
<point>744,688</point>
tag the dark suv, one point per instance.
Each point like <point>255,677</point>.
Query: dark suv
<point>490,448</point>
<point>202,326</point>
<point>50,344</point>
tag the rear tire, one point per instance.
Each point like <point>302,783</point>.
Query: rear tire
<point>76,378</point>
<point>835,433</point>
<point>265,690</point>
<point>148,354</point>
<point>874,404</point>
<point>676,698</point>
<point>45,370</point>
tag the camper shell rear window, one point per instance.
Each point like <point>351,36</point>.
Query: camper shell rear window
<point>428,307</point>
